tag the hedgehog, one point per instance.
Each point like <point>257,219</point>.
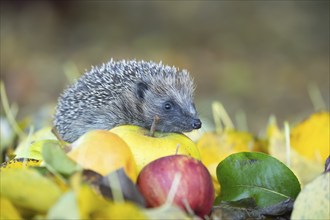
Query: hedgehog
<point>127,92</point>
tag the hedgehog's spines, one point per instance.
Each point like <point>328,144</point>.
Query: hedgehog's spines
<point>109,95</point>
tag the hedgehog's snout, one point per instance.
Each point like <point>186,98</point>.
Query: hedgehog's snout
<point>196,123</point>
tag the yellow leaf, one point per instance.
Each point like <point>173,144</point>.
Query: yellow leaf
<point>8,211</point>
<point>313,202</point>
<point>311,138</point>
<point>215,147</point>
<point>28,189</point>
<point>168,211</point>
<point>126,210</point>
<point>306,170</point>
<point>89,202</point>
<point>79,202</point>
<point>19,163</point>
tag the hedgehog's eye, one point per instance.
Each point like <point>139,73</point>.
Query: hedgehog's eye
<point>168,106</point>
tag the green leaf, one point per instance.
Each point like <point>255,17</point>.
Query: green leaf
<point>32,145</point>
<point>256,175</point>
<point>56,159</point>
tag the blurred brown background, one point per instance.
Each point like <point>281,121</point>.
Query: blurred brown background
<point>259,57</point>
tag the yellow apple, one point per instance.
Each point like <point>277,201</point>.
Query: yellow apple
<point>103,152</point>
<point>146,148</point>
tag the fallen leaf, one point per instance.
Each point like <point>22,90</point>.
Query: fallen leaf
<point>65,208</point>
<point>314,200</point>
<point>125,187</point>
<point>27,188</point>
<point>8,210</point>
<point>56,159</point>
<point>305,169</point>
<point>327,165</point>
<point>214,147</point>
<point>34,150</point>
<point>258,176</point>
<point>23,149</point>
<point>311,138</point>
<point>248,209</point>
<point>89,202</point>
<point>168,211</point>
<point>120,210</point>
<point>19,163</point>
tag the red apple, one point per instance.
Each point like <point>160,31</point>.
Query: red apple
<point>195,186</point>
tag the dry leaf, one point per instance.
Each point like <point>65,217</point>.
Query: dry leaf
<point>306,170</point>
<point>27,188</point>
<point>215,147</point>
<point>19,163</point>
<point>8,210</point>
<point>122,210</point>
<point>311,138</point>
<point>313,202</point>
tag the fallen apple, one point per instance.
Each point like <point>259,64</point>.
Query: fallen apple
<point>103,152</point>
<point>194,184</point>
<point>146,148</point>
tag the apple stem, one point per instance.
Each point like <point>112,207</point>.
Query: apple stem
<point>65,146</point>
<point>154,125</point>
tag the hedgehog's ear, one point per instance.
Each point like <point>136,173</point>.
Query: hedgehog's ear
<point>140,90</point>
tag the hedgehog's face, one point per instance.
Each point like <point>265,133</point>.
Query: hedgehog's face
<point>175,117</point>
<point>175,108</point>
